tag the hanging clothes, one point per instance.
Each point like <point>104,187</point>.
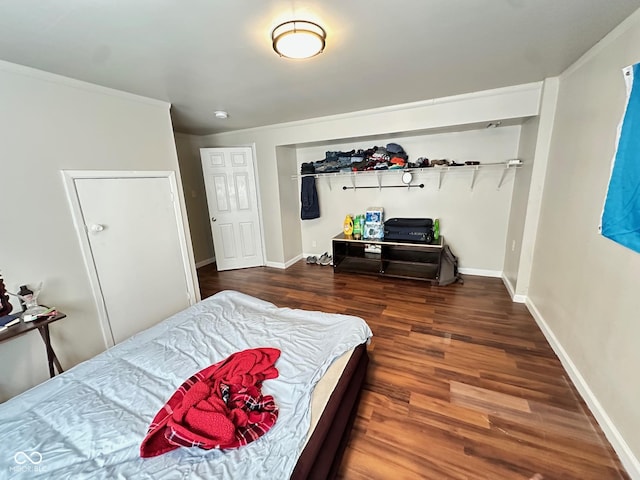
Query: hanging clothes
<point>309,197</point>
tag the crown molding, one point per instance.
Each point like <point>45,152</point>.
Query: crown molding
<point>496,92</point>
<point>42,75</point>
<point>629,22</point>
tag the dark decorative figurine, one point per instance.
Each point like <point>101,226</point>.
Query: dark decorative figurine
<point>5,306</point>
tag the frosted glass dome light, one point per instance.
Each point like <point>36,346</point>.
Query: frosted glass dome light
<point>298,39</point>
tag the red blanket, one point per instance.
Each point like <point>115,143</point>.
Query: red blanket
<point>221,406</point>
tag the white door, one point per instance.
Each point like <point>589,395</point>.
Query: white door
<point>133,232</point>
<point>233,206</point>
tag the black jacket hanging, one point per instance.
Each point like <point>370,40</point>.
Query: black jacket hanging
<point>309,197</point>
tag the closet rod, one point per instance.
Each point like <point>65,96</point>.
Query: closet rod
<point>383,186</point>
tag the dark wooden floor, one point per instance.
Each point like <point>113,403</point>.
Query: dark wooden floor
<point>462,384</point>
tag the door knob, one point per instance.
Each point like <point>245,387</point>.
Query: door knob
<point>213,219</point>
<point>96,227</point>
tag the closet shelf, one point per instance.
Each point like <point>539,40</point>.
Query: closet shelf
<point>440,170</point>
<point>380,186</point>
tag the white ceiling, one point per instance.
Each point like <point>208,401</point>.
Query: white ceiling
<point>206,55</point>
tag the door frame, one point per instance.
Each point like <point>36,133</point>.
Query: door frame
<point>69,177</point>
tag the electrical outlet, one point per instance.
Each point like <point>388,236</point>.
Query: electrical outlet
<point>314,244</point>
<point>513,245</point>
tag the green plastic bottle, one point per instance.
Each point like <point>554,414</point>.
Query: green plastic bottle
<point>436,229</point>
<point>357,227</point>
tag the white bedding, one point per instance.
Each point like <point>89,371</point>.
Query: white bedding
<point>89,421</point>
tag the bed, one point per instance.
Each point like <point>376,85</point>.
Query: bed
<point>89,422</point>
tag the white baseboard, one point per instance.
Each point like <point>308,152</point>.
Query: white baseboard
<point>284,265</point>
<point>288,263</point>
<point>515,298</point>
<point>208,261</point>
<point>279,265</point>
<point>628,459</point>
<point>480,272</point>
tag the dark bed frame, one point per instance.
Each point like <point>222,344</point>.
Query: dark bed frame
<point>321,458</point>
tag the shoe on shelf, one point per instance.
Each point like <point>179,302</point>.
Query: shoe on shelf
<point>325,259</point>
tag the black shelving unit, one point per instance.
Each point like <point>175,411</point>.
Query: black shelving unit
<point>417,261</point>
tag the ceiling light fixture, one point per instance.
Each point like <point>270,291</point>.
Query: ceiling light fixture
<point>298,39</point>
<point>221,114</point>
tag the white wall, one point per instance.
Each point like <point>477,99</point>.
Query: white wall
<point>49,123</point>
<point>188,147</point>
<point>584,287</point>
<point>365,126</point>
<point>474,222</point>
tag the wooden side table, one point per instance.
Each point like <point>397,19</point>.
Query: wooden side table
<point>43,328</point>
